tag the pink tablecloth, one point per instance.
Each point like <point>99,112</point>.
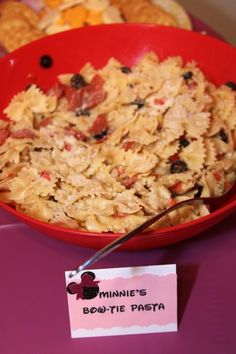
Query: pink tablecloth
<point>33,307</point>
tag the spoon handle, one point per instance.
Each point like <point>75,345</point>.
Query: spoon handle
<point>127,236</point>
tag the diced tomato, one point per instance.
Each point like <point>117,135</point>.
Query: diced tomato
<point>217,176</point>
<point>160,101</point>
<point>68,146</point>
<point>4,134</point>
<point>99,125</point>
<point>171,202</point>
<point>128,182</point>
<point>128,145</point>
<point>45,175</point>
<point>177,188</point>
<point>23,133</point>
<point>57,90</point>
<point>88,96</point>
<point>45,122</point>
<point>174,157</point>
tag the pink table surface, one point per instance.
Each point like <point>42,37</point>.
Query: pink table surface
<point>33,305</point>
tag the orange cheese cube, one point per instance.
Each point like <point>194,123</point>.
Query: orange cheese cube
<point>94,18</point>
<point>75,16</point>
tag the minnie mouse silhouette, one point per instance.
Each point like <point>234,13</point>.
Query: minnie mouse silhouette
<point>86,289</point>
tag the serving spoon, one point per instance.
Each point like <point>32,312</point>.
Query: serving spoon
<point>211,201</point>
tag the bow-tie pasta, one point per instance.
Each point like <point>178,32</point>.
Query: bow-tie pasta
<point>103,150</point>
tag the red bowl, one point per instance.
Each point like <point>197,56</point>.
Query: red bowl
<point>127,42</point>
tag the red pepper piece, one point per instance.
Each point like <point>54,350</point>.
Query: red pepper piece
<point>45,175</point>
<point>174,157</point>
<point>177,188</point>
<point>128,145</point>
<point>99,125</point>
<point>160,101</point>
<point>23,133</point>
<point>171,202</point>
<point>217,176</point>
<point>88,96</point>
<point>4,134</point>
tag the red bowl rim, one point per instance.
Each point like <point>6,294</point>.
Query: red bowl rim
<point>231,206</point>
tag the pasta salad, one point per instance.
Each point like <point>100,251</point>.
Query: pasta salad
<point>104,149</point>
